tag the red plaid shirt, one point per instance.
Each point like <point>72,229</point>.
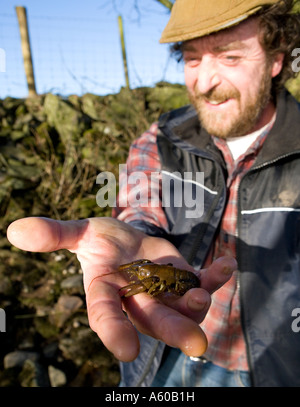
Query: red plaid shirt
<point>222,325</point>
<point>143,157</point>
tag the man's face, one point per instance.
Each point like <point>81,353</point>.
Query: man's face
<point>228,77</point>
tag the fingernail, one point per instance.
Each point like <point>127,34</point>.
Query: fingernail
<point>227,270</point>
<point>197,305</point>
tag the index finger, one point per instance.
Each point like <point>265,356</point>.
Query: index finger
<point>107,319</point>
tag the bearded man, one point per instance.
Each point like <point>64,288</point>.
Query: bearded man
<point>242,132</point>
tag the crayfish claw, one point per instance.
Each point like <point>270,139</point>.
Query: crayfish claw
<point>132,289</point>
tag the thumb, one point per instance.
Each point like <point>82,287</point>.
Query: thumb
<point>45,235</point>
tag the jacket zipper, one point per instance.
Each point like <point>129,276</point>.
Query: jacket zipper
<point>198,240</point>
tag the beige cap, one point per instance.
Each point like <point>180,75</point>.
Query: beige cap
<point>196,18</point>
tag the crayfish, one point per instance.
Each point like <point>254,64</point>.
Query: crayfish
<point>157,278</point>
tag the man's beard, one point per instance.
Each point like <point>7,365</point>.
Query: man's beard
<point>248,116</point>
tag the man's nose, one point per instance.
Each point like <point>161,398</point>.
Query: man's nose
<point>208,74</point>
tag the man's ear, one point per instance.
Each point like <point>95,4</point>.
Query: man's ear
<point>277,64</point>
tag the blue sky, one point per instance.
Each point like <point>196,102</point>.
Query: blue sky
<point>76,46</point>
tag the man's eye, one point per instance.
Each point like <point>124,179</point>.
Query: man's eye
<point>231,59</point>
<point>191,61</point>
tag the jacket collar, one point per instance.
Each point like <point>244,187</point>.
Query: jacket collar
<point>284,137</point>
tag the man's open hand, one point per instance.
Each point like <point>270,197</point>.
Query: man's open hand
<point>101,245</point>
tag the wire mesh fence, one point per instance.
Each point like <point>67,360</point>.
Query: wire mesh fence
<point>80,55</point>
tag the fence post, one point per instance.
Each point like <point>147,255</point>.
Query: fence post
<point>26,51</point>
<point>121,31</point>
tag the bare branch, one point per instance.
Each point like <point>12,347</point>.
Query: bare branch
<point>166,3</point>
